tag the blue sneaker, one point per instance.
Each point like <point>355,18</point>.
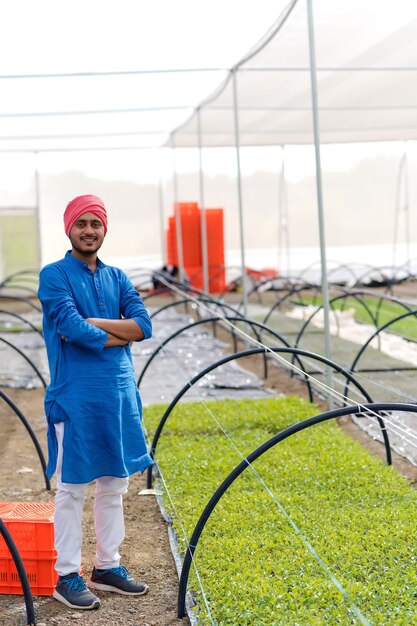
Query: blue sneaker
<point>116,579</point>
<point>71,590</point>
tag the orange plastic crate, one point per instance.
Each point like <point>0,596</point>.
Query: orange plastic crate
<point>31,527</point>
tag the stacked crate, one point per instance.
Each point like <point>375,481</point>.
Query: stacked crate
<point>190,219</point>
<point>31,526</point>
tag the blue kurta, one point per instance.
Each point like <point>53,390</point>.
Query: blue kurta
<point>92,388</point>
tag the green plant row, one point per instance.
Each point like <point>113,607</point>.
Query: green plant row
<point>383,312</point>
<point>357,513</point>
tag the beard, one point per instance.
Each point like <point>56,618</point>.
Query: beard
<point>93,249</point>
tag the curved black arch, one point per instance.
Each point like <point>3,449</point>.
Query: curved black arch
<point>206,321</point>
<point>214,271</point>
<point>221,305</point>
<point>27,359</point>
<point>239,355</point>
<point>294,289</point>
<point>375,334</point>
<point>331,301</point>
<point>20,273</point>
<point>389,280</point>
<point>29,429</point>
<point>157,292</point>
<point>8,539</point>
<point>341,266</point>
<point>238,278</point>
<point>355,295</point>
<point>336,267</point>
<point>32,292</point>
<point>261,283</point>
<point>21,299</point>
<point>284,434</point>
<point>22,319</point>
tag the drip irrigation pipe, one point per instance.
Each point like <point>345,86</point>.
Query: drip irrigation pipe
<point>376,334</point>
<point>29,429</point>
<point>21,299</point>
<point>30,609</point>
<point>27,359</point>
<point>22,319</point>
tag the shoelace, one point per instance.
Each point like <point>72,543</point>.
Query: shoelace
<point>120,571</point>
<point>75,584</point>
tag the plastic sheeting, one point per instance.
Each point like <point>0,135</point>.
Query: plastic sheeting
<point>366,69</point>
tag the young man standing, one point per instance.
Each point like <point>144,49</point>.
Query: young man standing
<point>91,313</point>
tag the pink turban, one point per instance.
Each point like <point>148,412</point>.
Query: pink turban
<point>84,204</point>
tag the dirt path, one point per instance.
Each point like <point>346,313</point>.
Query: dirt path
<point>146,551</point>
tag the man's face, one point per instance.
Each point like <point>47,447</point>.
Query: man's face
<point>87,234</point>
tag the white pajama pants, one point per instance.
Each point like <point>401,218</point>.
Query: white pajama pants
<point>108,518</point>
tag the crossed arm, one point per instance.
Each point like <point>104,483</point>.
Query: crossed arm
<point>120,332</point>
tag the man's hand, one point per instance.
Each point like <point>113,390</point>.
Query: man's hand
<point>125,330</point>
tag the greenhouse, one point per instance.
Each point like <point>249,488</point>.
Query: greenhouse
<point>258,172</point>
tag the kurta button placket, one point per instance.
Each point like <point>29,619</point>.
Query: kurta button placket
<point>98,290</point>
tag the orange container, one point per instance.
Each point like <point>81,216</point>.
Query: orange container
<point>190,215</point>
<point>32,529</point>
<point>191,240</point>
<point>215,250</point>
<point>186,207</point>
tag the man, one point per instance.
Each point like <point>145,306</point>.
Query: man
<point>91,313</point>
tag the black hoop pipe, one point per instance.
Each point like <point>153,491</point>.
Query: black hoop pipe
<point>205,321</point>
<point>284,434</point>
<point>31,432</point>
<point>222,305</point>
<point>353,295</point>
<point>20,299</point>
<point>157,292</point>
<point>27,359</point>
<point>22,319</point>
<point>340,297</point>
<point>238,355</point>
<point>390,280</point>
<point>258,285</point>
<point>375,334</point>
<point>30,609</point>
<point>291,291</point>
<point>32,292</point>
<point>19,273</point>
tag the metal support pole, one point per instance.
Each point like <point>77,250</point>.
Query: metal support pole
<point>161,215</point>
<point>316,130</point>
<point>407,211</point>
<point>239,194</point>
<point>283,233</point>
<point>402,186</point>
<point>38,214</point>
<point>177,215</point>
<point>204,247</point>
